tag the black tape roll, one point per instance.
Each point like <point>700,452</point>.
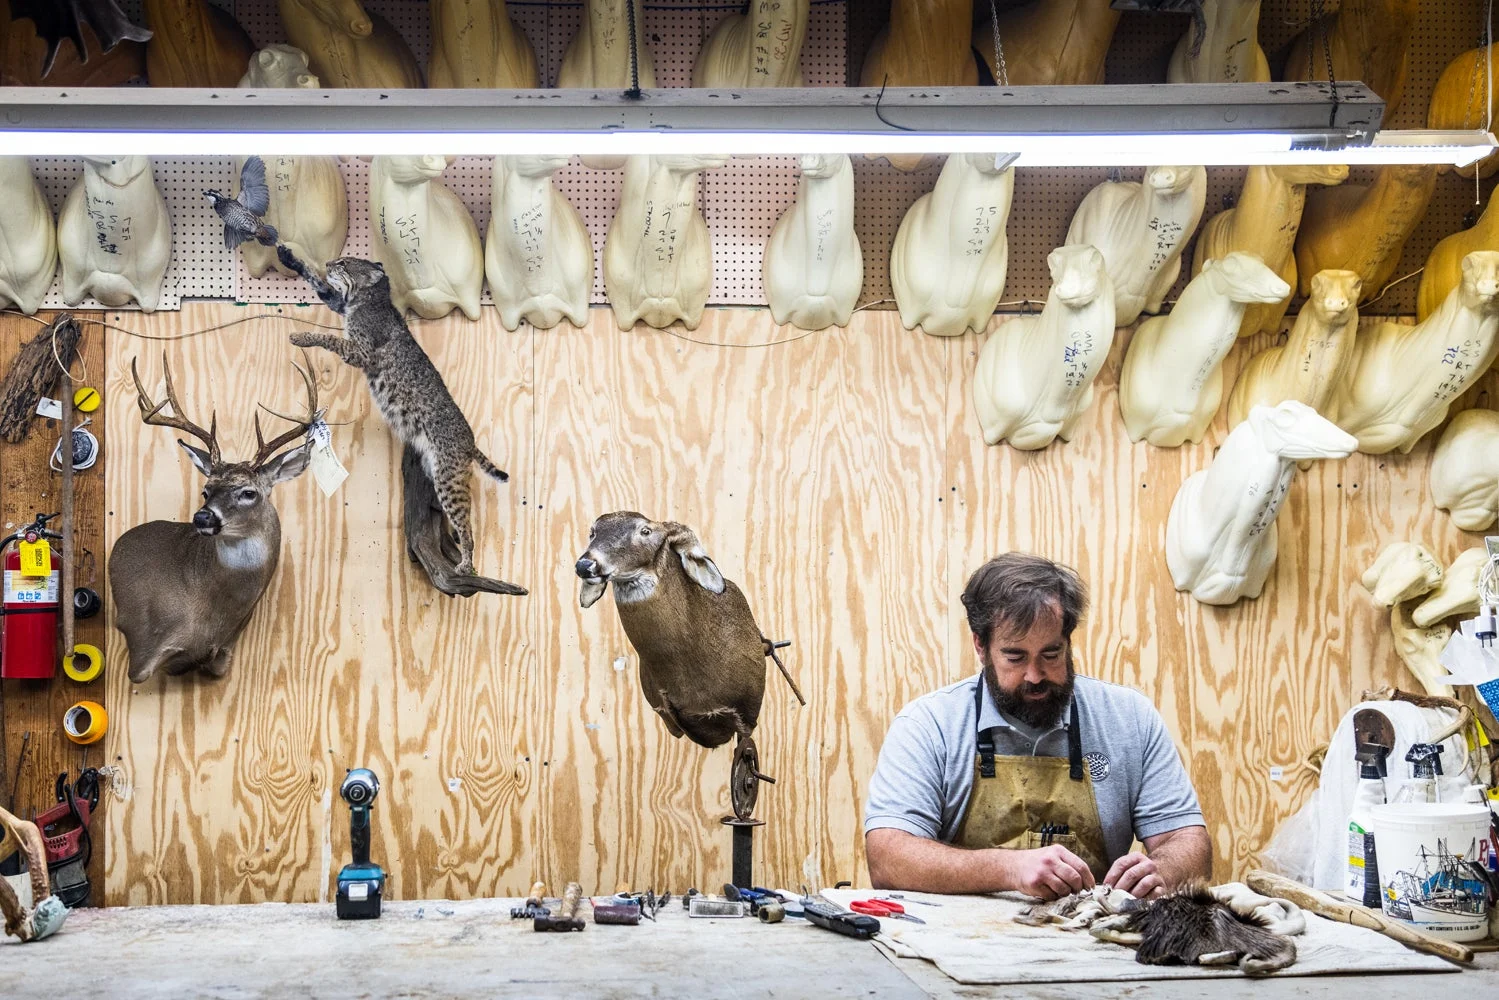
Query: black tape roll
<point>86,602</point>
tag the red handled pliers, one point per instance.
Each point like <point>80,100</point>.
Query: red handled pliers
<point>882,908</point>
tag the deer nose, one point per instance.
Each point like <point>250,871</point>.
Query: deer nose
<point>207,522</point>
<point>586,568</point>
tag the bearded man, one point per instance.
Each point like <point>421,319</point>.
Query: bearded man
<point>1027,777</point>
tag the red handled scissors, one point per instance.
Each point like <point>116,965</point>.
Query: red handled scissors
<point>882,908</point>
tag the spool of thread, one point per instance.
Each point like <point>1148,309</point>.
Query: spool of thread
<point>83,666</point>
<point>772,913</point>
<point>85,722</point>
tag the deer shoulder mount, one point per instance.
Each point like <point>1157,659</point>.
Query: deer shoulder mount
<point>183,592</point>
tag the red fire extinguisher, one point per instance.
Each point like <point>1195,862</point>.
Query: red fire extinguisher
<point>28,628</point>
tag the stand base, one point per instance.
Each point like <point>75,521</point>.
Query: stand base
<point>744,849</point>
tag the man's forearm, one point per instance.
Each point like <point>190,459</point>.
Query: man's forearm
<point>1181,855</point>
<point>899,860</point>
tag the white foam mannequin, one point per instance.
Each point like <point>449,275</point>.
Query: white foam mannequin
<point>1403,379</point>
<point>28,238</point>
<point>538,255</point>
<point>1221,540</point>
<point>1172,380</point>
<point>114,236</point>
<point>760,48</point>
<point>949,260</point>
<point>423,235</point>
<point>1035,374</point>
<point>658,259</point>
<point>814,268</point>
<point>1141,228</point>
<point>1316,357</point>
<point>1465,470</point>
<point>309,204</point>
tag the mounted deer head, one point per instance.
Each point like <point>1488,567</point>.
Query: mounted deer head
<point>183,592</point>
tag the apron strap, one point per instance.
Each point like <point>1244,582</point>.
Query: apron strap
<point>986,739</point>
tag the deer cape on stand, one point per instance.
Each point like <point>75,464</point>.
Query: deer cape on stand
<point>762,48</point>
<point>1264,222</point>
<point>1035,374</point>
<point>1172,379</point>
<point>184,592</point>
<point>348,47</point>
<point>814,267</point>
<point>1220,536</point>
<point>537,254</point>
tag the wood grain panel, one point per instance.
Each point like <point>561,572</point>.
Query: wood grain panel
<point>838,477</point>
<point>29,487</point>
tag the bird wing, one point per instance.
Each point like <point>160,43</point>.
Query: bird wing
<point>233,237</point>
<point>254,194</point>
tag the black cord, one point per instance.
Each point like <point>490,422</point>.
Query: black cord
<point>1319,23</point>
<point>634,93</point>
<point>880,114</point>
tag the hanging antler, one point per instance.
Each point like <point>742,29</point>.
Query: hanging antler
<point>151,412</point>
<point>266,450</point>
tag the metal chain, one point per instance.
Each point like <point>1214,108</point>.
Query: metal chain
<point>634,90</point>
<point>1319,24</point>
<point>1001,71</point>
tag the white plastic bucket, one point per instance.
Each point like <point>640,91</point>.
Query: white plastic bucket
<point>1421,848</point>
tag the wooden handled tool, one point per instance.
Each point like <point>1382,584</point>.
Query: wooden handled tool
<point>1324,905</point>
<point>567,914</point>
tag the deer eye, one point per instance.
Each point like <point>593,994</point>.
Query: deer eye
<point>247,496</point>
<point>645,532</point>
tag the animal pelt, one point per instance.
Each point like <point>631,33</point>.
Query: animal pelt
<point>429,540</point>
<point>1079,910</point>
<point>1191,927</point>
<point>34,373</point>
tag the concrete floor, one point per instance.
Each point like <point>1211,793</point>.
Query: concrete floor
<point>435,950</point>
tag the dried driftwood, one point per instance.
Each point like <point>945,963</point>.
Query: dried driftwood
<point>34,373</point>
<point>429,540</point>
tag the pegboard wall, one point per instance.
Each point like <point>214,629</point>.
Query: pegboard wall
<point>742,200</point>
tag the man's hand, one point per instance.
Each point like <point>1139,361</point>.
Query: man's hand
<point>1137,875</point>
<point>1048,872</point>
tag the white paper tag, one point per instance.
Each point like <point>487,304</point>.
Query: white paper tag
<point>48,407</point>
<point>326,468</point>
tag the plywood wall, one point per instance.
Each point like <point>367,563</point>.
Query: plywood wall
<point>839,477</point>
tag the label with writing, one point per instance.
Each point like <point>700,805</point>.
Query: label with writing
<point>31,590</point>
<point>48,407</point>
<point>326,468</point>
<point>36,558</point>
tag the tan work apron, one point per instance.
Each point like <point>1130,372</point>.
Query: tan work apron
<point>1014,798</point>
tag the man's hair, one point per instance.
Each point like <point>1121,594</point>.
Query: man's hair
<point>1015,588</point>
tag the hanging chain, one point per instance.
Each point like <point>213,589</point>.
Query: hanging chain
<point>1001,71</point>
<point>634,90</point>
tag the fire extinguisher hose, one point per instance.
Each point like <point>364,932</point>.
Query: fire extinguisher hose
<point>85,722</point>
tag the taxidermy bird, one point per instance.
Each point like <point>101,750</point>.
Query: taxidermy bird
<point>242,214</point>
<point>59,19</point>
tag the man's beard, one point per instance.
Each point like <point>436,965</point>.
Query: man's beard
<point>1041,713</point>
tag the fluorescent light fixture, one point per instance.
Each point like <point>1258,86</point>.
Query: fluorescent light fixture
<point>1210,124</point>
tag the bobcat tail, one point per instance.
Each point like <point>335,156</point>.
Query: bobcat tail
<point>490,467</point>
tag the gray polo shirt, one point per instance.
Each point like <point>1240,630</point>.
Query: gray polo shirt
<point>925,772</point>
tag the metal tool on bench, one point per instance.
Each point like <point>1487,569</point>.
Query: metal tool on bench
<point>64,829</point>
<point>361,883</point>
<point>838,920</point>
<point>903,899</point>
<point>755,896</point>
<point>566,918</point>
<point>883,908</point>
<point>621,908</point>
<point>534,906</point>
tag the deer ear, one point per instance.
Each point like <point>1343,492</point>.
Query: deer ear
<point>199,456</point>
<point>694,559</point>
<point>288,464</point>
<point>591,591</point>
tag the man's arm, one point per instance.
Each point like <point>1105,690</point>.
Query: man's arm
<point>900,860</point>
<point>1171,858</point>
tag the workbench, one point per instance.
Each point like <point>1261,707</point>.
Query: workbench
<point>436,949</point>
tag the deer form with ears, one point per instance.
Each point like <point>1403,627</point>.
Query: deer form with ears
<point>348,47</point>
<point>814,266</point>
<point>183,592</point>
<point>1264,221</point>
<point>761,48</point>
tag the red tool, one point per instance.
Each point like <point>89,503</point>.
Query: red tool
<point>883,908</point>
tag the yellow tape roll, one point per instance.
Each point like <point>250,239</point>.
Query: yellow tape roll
<point>85,722</point>
<point>93,663</point>
<point>86,400</point>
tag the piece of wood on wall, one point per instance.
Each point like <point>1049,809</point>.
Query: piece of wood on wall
<point>351,658</point>
<point>28,487</point>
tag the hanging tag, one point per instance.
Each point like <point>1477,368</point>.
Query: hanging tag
<point>36,558</point>
<point>326,468</point>
<point>49,408</point>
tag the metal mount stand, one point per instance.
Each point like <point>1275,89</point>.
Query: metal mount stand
<point>744,849</point>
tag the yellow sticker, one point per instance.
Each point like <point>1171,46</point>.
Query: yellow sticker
<point>36,558</point>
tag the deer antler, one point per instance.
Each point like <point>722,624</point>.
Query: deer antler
<point>151,412</point>
<point>266,449</point>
